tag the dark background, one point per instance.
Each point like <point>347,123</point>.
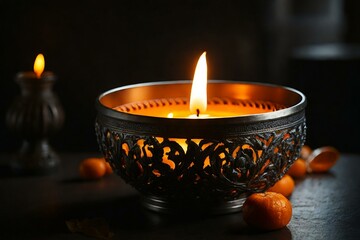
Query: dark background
<point>93,46</point>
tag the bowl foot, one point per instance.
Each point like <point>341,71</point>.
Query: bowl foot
<point>162,205</point>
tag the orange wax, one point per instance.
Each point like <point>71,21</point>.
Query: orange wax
<point>179,108</point>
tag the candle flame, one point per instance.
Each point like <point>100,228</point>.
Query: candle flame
<point>198,97</point>
<point>39,65</point>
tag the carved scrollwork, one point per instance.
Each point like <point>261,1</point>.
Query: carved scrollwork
<point>223,169</point>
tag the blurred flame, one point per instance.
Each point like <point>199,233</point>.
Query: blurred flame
<point>39,65</point>
<point>198,97</point>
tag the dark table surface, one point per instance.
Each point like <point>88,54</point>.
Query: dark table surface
<point>325,206</point>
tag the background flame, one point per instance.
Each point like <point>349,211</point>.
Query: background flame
<point>39,65</point>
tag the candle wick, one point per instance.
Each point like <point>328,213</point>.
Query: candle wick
<point>197,112</point>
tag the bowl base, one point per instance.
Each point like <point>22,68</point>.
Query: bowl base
<point>161,205</point>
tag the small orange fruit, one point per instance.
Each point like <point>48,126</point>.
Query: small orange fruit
<point>298,169</point>
<point>322,159</point>
<point>267,211</point>
<point>285,186</point>
<point>108,167</point>
<point>305,152</point>
<point>92,168</point>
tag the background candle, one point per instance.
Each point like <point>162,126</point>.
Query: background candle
<point>34,116</point>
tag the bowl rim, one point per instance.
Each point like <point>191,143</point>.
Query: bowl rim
<point>253,117</point>
<point>282,118</point>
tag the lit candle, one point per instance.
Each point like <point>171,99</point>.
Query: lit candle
<point>198,106</point>
<point>38,72</point>
<point>39,65</point>
<point>36,115</point>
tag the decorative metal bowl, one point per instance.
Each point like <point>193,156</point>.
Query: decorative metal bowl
<point>205,165</point>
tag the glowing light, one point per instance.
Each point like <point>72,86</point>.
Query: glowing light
<point>39,65</point>
<point>198,97</point>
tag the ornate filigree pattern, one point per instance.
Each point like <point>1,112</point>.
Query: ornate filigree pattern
<point>216,169</point>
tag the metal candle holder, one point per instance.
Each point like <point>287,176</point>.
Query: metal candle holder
<point>34,116</point>
<point>224,159</point>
